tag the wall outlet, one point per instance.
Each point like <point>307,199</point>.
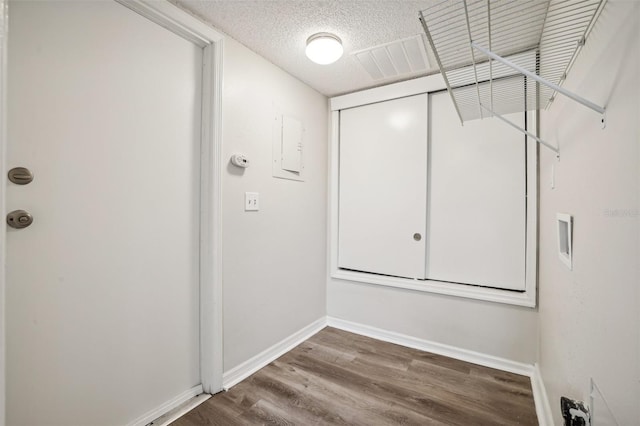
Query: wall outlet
<point>574,413</point>
<point>251,201</point>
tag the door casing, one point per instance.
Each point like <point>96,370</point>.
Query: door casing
<point>183,24</point>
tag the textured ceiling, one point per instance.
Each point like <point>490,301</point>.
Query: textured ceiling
<point>278,30</point>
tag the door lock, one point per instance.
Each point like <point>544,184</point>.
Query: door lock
<point>20,175</point>
<point>19,219</point>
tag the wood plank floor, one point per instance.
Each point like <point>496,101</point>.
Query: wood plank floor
<point>342,378</point>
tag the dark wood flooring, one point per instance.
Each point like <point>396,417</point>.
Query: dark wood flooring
<point>342,378</point>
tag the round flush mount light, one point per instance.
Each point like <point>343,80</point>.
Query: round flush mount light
<point>324,48</point>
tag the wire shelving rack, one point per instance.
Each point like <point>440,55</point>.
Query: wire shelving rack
<point>504,56</point>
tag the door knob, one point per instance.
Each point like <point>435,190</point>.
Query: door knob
<point>417,236</point>
<point>19,219</point>
<point>20,175</point>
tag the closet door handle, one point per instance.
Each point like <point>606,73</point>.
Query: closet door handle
<point>417,236</point>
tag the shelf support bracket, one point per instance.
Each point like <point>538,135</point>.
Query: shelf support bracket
<point>442,70</point>
<point>473,57</point>
<point>515,126</point>
<point>555,87</point>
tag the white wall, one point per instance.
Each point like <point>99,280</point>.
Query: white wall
<point>501,330</point>
<point>589,323</point>
<point>274,262</point>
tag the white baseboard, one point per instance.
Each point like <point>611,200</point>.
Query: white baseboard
<point>543,409</point>
<point>167,406</point>
<point>247,368</point>
<point>433,347</point>
<point>181,410</point>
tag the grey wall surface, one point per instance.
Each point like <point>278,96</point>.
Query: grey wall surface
<point>275,258</point>
<point>589,317</point>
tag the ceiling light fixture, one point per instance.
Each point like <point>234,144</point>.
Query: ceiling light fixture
<point>324,48</point>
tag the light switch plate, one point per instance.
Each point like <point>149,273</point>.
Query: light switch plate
<point>251,201</point>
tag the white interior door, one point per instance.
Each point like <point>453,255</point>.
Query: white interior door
<point>102,289</point>
<point>383,178</point>
<point>477,199</point>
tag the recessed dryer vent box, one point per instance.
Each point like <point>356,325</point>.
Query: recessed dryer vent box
<point>565,239</point>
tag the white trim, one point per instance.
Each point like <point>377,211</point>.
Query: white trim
<point>431,83</point>
<point>417,86</point>
<point>187,26</point>
<point>211,331</point>
<point>543,409</point>
<point>541,401</point>
<point>438,287</point>
<point>4,4</point>
<point>247,368</point>
<point>181,410</point>
<point>167,406</point>
<point>433,347</point>
<point>175,20</point>
<point>531,249</point>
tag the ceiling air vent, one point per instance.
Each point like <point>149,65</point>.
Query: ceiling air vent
<point>395,59</point>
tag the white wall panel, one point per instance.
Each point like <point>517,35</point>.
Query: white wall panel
<point>476,204</point>
<point>275,258</point>
<point>490,328</point>
<point>589,316</point>
<point>383,175</point>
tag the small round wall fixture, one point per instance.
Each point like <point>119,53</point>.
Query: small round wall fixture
<point>324,48</point>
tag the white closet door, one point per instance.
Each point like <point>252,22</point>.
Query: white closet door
<point>383,177</point>
<point>476,220</point>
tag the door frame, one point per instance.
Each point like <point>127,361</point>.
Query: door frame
<point>211,41</point>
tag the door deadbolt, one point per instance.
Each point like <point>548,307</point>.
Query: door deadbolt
<point>19,219</point>
<point>417,236</point>
<point>20,175</point>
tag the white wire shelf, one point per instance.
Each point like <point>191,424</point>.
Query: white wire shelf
<point>504,56</point>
